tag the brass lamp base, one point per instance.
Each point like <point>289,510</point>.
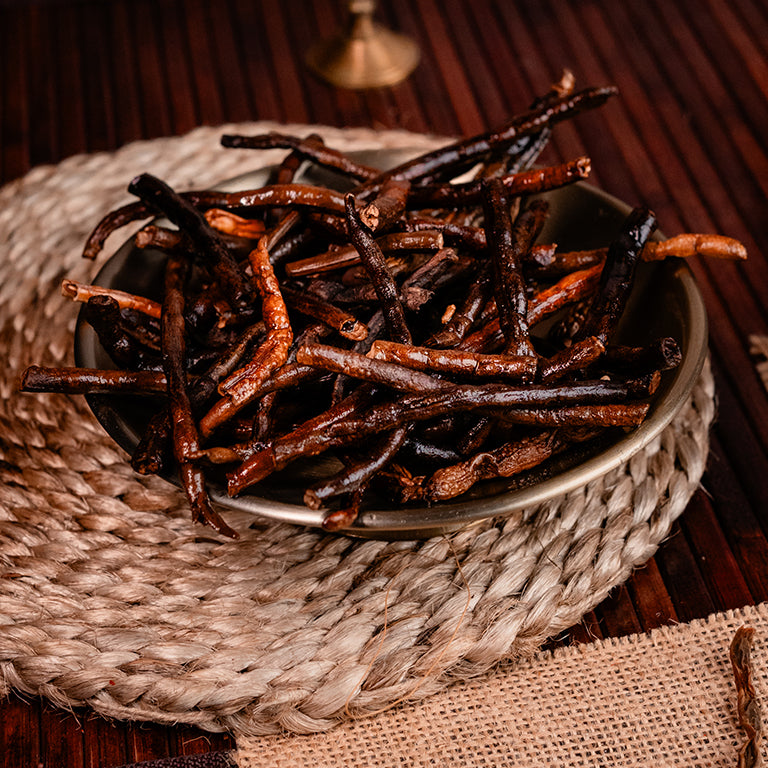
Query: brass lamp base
<point>367,56</point>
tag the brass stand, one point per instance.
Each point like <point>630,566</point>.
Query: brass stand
<point>367,55</point>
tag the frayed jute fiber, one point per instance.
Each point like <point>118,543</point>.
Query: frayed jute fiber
<point>111,598</point>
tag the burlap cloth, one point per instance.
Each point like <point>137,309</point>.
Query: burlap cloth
<point>666,698</point>
<point>111,598</point>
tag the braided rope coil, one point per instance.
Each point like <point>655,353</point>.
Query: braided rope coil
<point>111,598</point>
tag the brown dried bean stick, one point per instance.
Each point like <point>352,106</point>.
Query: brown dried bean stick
<point>241,386</point>
<point>382,213</point>
<point>426,451</point>
<point>587,403</point>
<point>506,460</point>
<point>151,453</point>
<point>375,329</point>
<point>396,264</point>
<point>307,148</point>
<point>348,256</point>
<point>103,314</point>
<point>577,357</point>
<point>208,245</point>
<point>357,471</point>
<point>373,259</point>
<point>473,238</point>
<point>82,381</point>
<point>153,236</point>
<point>463,318</point>
<point>271,196</point>
<point>661,354</point>
<point>679,246</point>
<point>558,264</point>
<point>185,437</point>
<point>454,234</point>
<point>357,400</point>
<point>290,164</point>
<point>507,245</point>
<point>689,245</point>
<point>263,421</point>
<point>344,517</point>
<point>281,230</point>
<point>283,451</point>
<point>81,292</point>
<point>528,182</point>
<point>617,275</point>
<point>111,222</point>
<point>748,705</point>
<point>334,317</point>
<point>231,224</point>
<point>460,152</point>
<point>290,246</point>
<point>331,224</point>
<point>456,362</point>
<point>420,286</point>
<point>568,290</point>
<point>424,275</point>
<point>359,366</point>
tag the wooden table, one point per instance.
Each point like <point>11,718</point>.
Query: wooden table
<point>688,136</point>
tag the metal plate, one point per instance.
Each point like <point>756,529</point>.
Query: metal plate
<point>665,302</point>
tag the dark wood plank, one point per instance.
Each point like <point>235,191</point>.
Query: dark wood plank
<point>303,32</point>
<point>290,90</point>
<point>250,42</point>
<point>104,742</point>
<point>426,78</point>
<point>43,103</point>
<point>454,80</point>
<point>177,62</point>
<point>61,739</point>
<point>151,75</point>
<point>719,566</point>
<point>207,79</point>
<point>586,631</point>
<point>650,597</point>
<point>15,133</point>
<point>617,615</point>
<point>19,732</point>
<point>192,741</point>
<point>147,740</point>
<point>98,82</point>
<point>237,102</point>
<point>128,97</point>
<point>680,570</point>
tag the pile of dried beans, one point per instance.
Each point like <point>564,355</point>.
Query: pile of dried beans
<point>391,324</point>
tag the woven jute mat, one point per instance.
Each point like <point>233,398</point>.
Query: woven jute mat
<point>111,598</point>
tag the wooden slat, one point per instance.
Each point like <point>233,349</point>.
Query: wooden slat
<point>650,597</point>
<point>104,743</point>
<point>151,75</point>
<point>127,97</point>
<point>177,62</point>
<point>617,615</point>
<point>208,82</point>
<point>97,81</point>
<point>683,579</point>
<point>20,733</point>
<point>15,107</point>
<point>719,566</point>
<point>290,91</point>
